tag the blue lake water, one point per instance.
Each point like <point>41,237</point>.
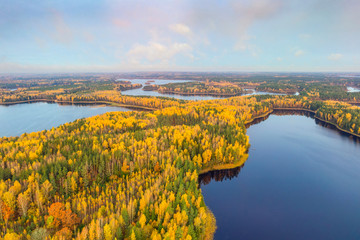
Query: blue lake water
<point>352,89</point>
<point>141,92</point>
<point>31,117</point>
<point>301,181</point>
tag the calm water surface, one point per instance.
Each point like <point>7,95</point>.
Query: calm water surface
<point>352,89</point>
<point>31,117</point>
<point>141,92</point>
<point>301,181</point>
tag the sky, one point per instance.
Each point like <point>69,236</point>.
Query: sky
<point>47,36</point>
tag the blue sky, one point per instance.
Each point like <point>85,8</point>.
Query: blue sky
<point>179,35</point>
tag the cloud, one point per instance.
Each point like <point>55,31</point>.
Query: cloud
<point>89,37</point>
<point>335,56</point>
<point>62,32</point>
<point>155,51</point>
<point>243,45</point>
<point>232,20</point>
<point>181,29</point>
<point>279,59</point>
<point>171,31</point>
<point>120,23</point>
<point>299,53</point>
<point>54,27</point>
<point>3,58</point>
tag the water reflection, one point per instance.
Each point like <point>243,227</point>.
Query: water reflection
<point>219,175</point>
<point>252,91</point>
<point>97,105</point>
<point>310,115</point>
<point>154,81</point>
<point>89,104</point>
<point>301,181</point>
<point>256,121</point>
<point>145,82</point>
<point>353,89</point>
<point>293,112</point>
<point>340,133</point>
<point>228,174</point>
<point>31,117</point>
<point>281,113</point>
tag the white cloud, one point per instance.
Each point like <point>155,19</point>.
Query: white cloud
<point>279,59</point>
<point>243,45</point>
<point>62,31</point>
<point>299,53</point>
<point>120,23</point>
<point>231,19</point>
<point>251,48</point>
<point>335,56</point>
<point>181,29</point>
<point>89,37</point>
<point>155,51</point>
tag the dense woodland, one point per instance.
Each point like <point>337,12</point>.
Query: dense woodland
<point>315,86</point>
<point>132,175</point>
<point>202,88</point>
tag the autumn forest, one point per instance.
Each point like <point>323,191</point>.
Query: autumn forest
<point>134,175</point>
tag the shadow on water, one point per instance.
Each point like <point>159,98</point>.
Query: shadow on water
<point>340,133</point>
<point>219,175</point>
<point>281,113</point>
<point>89,104</point>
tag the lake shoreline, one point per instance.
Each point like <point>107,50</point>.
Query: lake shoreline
<point>286,92</point>
<point>137,107</point>
<point>202,94</point>
<point>320,119</point>
<point>225,166</point>
<point>293,161</point>
<point>229,166</point>
<point>248,123</point>
<point>134,107</point>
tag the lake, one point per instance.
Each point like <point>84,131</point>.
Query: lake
<point>141,92</point>
<point>301,181</point>
<point>31,117</point>
<point>352,89</point>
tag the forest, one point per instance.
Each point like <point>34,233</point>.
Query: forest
<point>132,175</point>
<point>44,88</point>
<point>135,177</point>
<point>223,89</point>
